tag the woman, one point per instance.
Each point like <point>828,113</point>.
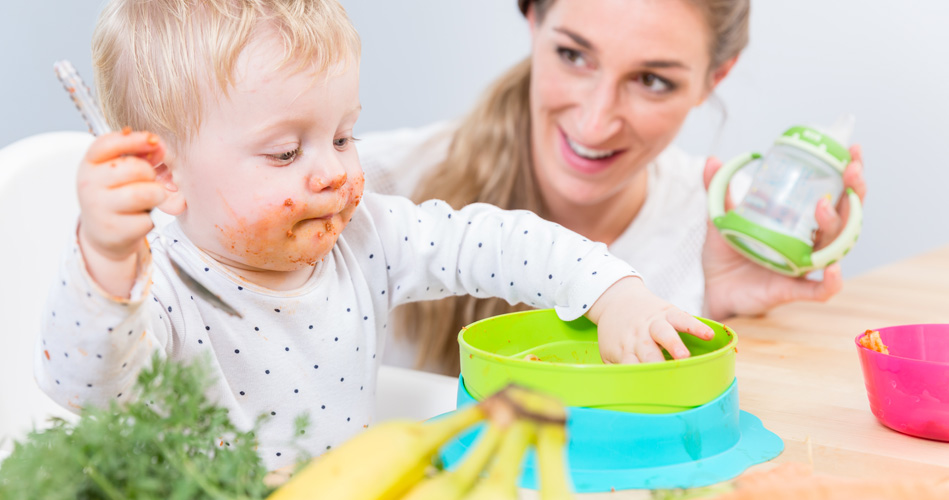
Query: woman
<point>580,133</point>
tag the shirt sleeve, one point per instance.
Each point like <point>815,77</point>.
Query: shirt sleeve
<point>92,345</point>
<point>433,251</point>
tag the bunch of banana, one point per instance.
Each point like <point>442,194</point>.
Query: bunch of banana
<point>391,461</point>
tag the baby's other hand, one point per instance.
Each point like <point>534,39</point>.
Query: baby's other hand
<point>632,324</point>
<point>117,189</point>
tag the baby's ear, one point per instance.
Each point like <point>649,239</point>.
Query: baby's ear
<point>174,203</point>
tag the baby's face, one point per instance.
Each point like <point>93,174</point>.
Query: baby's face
<point>272,177</point>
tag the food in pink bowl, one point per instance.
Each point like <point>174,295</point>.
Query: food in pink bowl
<point>908,387</point>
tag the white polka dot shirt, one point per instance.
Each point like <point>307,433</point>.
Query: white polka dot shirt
<point>313,350</point>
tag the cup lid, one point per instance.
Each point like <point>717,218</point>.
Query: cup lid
<point>818,143</point>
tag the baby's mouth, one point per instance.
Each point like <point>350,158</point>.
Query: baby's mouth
<point>324,219</point>
<point>320,226</point>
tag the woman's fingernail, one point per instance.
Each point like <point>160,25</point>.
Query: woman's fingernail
<point>152,139</point>
<point>126,130</point>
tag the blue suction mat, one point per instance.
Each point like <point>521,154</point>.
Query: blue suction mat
<point>612,450</point>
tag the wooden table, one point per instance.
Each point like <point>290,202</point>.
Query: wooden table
<point>798,371</point>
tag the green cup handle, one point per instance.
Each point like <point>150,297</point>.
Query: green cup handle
<point>719,184</point>
<point>846,239</point>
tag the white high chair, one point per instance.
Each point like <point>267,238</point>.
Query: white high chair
<point>38,211</point>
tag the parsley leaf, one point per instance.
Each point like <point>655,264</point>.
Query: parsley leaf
<point>169,442</point>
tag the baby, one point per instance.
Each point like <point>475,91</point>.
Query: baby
<point>252,105</point>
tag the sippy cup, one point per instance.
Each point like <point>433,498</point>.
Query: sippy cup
<point>773,225</point>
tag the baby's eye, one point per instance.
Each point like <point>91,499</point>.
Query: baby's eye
<point>286,157</point>
<point>342,142</point>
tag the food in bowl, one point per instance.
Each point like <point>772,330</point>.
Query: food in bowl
<point>497,351</point>
<point>908,389</point>
<point>871,340</point>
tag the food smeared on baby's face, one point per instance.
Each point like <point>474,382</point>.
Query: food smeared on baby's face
<point>295,232</point>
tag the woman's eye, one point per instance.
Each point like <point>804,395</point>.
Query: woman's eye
<point>655,83</point>
<point>286,157</point>
<point>572,57</point>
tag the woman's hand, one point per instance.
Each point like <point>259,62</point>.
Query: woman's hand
<point>632,324</point>
<point>735,285</point>
<point>831,221</point>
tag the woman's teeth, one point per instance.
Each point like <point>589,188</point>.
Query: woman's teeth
<point>591,154</point>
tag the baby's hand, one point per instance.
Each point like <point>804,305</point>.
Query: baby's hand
<point>117,189</point>
<point>632,323</point>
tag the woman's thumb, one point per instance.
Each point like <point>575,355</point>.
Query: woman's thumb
<point>712,164</point>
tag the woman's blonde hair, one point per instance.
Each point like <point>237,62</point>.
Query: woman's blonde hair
<point>489,160</point>
<point>152,58</point>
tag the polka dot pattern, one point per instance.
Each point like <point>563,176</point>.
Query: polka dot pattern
<point>313,349</point>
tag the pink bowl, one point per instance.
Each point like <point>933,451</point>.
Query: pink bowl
<point>908,389</point>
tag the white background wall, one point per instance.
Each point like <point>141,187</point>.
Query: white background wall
<point>425,60</point>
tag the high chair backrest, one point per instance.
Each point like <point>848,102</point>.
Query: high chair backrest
<point>38,215</point>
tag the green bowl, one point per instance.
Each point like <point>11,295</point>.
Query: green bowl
<point>495,352</point>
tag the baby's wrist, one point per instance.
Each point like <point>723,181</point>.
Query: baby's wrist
<point>116,275</point>
<point>621,291</point>
<point>90,244</point>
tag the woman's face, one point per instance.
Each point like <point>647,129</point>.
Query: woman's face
<point>612,82</point>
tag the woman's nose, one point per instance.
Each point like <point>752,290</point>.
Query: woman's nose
<point>600,120</point>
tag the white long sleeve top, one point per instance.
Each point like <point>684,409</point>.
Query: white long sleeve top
<point>315,349</point>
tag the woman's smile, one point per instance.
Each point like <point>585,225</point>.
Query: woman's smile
<point>584,159</point>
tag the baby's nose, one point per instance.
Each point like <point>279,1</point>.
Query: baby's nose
<point>319,183</point>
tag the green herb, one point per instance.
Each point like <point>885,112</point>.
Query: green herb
<point>169,443</point>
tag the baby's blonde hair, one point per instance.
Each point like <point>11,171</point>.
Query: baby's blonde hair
<point>152,57</point>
